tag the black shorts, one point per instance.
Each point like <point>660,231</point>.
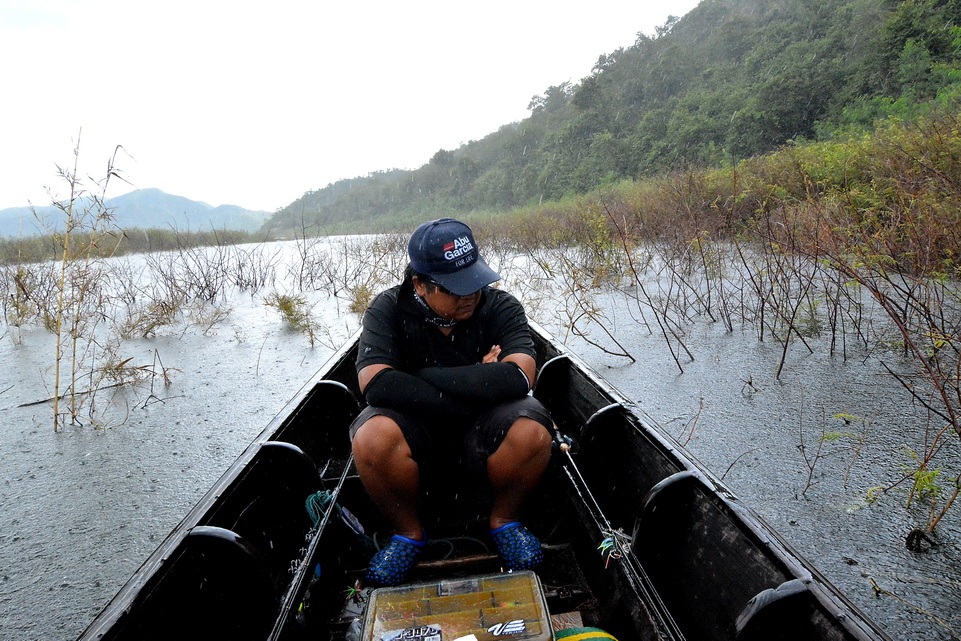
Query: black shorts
<point>467,443</point>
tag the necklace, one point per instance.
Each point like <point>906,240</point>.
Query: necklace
<point>431,316</point>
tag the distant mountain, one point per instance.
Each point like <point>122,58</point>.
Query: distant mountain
<point>141,209</point>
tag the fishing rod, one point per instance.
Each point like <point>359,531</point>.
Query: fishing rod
<point>615,544</point>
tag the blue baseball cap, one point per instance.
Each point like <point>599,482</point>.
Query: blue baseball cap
<point>445,250</point>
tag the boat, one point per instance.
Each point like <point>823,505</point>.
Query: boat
<point>640,541</point>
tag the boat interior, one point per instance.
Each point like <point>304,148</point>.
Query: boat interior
<point>640,541</point>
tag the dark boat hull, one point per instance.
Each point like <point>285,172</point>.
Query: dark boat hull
<point>640,540</point>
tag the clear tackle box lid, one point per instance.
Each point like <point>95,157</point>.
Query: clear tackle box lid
<point>490,607</point>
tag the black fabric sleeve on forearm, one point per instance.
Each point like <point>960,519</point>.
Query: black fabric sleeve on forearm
<point>405,392</point>
<point>479,383</point>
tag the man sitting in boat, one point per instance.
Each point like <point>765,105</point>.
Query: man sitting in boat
<point>446,364</point>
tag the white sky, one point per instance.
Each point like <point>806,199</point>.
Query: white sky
<point>255,103</point>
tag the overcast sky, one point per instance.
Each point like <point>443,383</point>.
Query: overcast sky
<point>255,103</point>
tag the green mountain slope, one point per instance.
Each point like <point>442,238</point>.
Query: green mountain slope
<point>730,80</point>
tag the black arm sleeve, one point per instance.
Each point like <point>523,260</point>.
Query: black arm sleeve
<point>407,393</point>
<point>479,383</point>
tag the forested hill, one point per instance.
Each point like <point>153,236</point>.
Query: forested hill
<point>730,80</point>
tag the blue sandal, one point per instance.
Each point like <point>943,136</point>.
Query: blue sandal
<point>392,563</point>
<point>520,549</point>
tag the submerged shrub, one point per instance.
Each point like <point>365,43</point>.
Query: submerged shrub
<point>294,310</point>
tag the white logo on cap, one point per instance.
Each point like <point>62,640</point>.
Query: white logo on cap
<point>457,248</point>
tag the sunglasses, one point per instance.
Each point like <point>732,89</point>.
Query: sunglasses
<point>444,290</point>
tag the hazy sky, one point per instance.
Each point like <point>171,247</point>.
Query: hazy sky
<point>254,103</point>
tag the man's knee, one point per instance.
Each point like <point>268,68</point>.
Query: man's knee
<point>534,430</point>
<point>527,437</point>
<point>376,438</point>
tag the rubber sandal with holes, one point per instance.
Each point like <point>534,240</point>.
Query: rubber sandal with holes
<point>392,563</point>
<point>519,549</point>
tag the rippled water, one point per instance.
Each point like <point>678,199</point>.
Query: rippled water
<point>82,508</point>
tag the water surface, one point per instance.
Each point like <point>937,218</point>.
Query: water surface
<point>82,508</point>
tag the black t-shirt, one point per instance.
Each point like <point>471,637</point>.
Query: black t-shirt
<point>397,333</point>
